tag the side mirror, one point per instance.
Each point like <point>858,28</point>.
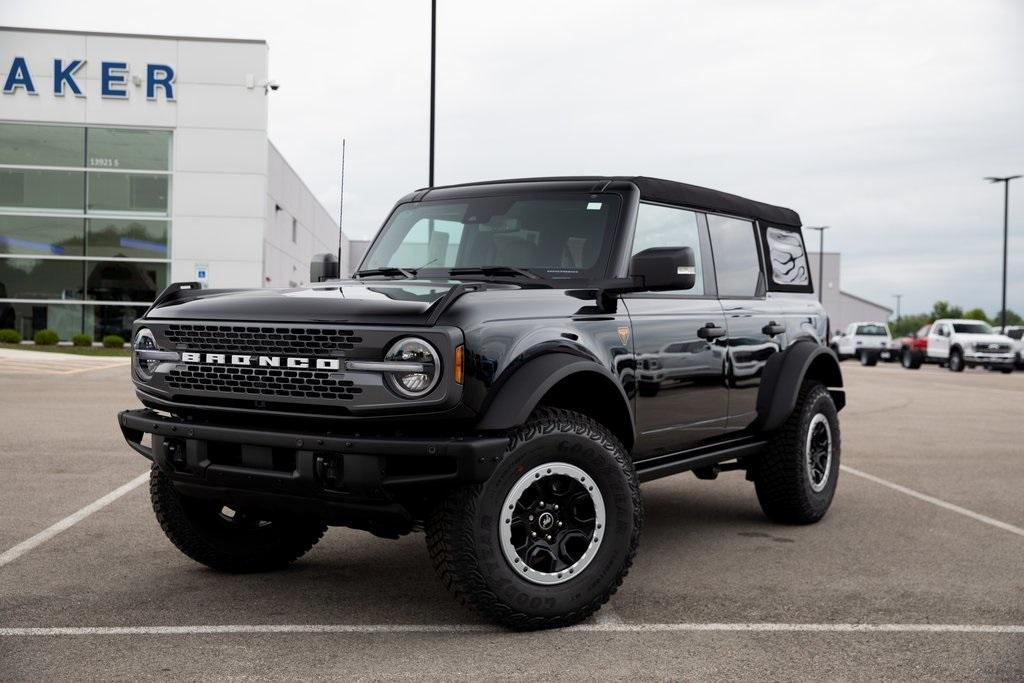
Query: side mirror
<point>665,268</point>
<point>324,267</point>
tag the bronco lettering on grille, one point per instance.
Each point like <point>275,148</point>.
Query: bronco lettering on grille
<point>262,361</point>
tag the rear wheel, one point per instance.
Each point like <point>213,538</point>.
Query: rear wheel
<point>868,358</point>
<point>796,476</point>
<point>227,539</point>
<point>910,359</point>
<point>548,538</point>
<point>956,360</point>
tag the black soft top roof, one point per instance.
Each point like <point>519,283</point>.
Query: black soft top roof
<point>653,189</point>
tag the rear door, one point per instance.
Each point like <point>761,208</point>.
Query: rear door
<point>678,339</point>
<point>756,324</point>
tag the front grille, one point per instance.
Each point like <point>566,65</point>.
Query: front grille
<point>255,382</point>
<point>283,341</point>
<point>992,348</point>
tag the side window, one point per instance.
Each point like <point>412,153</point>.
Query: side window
<point>666,226</point>
<point>787,258</point>
<point>737,266</point>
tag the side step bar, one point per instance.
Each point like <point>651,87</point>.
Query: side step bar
<point>706,456</point>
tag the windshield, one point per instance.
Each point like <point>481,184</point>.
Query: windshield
<point>972,328</point>
<point>550,235</point>
<point>872,331</point>
<point>1017,333</point>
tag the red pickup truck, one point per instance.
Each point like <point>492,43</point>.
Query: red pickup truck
<point>914,348</point>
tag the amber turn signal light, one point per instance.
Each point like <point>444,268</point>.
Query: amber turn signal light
<point>459,358</point>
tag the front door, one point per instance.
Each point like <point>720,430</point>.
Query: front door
<point>681,394</point>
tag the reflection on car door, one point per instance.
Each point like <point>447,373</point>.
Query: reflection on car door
<point>756,326</point>
<point>680,368</point>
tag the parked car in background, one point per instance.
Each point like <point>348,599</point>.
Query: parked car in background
<point>865,341</point>
<point>1016,333</point>
<point>969,343</point>
<point>913,348</point>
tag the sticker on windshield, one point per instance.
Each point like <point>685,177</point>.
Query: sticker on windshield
<point>593,206</point>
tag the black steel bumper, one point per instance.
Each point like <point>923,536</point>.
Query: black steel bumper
<point>336,475</point>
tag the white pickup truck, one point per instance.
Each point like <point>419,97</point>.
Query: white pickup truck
<point>864,341</point>
<point>963,344</point>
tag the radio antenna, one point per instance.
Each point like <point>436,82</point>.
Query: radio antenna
<point>341,202</point>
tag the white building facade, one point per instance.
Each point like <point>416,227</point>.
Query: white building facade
<point>129,162</point>
<point>842,307</point>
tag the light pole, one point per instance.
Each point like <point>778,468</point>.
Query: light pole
<point>898,297</point>
<point>821,255</point>
<point>433,59</point>
<point>1006,229</point>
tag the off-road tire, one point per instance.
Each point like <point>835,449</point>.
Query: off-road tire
<point>197,528</point>
<point>956,361</point>
<point>782,481</point>
<point>463,537</point>
<point>910,360</point>
<point>868,358</point>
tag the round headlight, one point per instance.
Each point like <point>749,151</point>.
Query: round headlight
<point>425,368</point>
<point>144,341</point>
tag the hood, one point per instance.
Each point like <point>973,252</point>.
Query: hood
<point>402,302</point>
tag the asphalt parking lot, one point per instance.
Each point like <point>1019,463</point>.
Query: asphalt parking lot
<point>916,572</point>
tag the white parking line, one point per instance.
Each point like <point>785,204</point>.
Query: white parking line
<point>935,501</point>
<point>473,628</point>
<point>46,534</point>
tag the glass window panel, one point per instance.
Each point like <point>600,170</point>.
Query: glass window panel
<point>41,235</point>
<point>29,318</point>
<point>124,280</point>
<point>103,320</point>
<point>24,278</point>
<point>148,150</point>
<point>54,190</point>
<point>788,259</point>
<point>665,226</point>
<point>127,238</point>
<point>737,267</point>
<point>128,192</point>
<point>32,145</point>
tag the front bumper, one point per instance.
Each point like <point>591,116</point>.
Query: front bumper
<point>993,359</point>
<point>350,480</point>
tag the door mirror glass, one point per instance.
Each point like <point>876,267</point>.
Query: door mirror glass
<point>665,268</point>
<point>324,267</point>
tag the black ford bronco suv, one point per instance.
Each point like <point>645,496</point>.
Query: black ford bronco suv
<point>509,363</point>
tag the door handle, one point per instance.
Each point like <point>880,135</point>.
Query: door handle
<point>773,328</point>
<point>711,331</point>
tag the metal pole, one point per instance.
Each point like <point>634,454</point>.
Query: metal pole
<point>1006,235</point>
<point>1006,231</point>
<point>821,256</point>
<point>898,297</point>
<point>433,83</point>
<point>341,203</point>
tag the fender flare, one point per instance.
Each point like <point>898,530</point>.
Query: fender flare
<point>785,372</point>
<point>517,397</point>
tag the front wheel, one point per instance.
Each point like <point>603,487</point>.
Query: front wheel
<point>797,474</point>
<point>549,537</point>
<point>226,539</point>
<point>956,360</point>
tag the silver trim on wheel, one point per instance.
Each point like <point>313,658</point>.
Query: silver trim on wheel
<point>550,517</point>
<point>818,452</point>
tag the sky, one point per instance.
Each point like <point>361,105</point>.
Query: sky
<point>877,118</point>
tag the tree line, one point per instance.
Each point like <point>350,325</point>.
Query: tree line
<point>908,324</point>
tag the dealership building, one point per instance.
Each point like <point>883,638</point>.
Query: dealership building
<point>131,161</point>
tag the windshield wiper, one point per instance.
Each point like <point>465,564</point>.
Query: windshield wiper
<point>494,270</point>
<point>407,274</point>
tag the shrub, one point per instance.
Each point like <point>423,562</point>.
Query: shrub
<point>46,338</point>
<point>113,341</point>
<point>82,340</point>
<point>9,336</point>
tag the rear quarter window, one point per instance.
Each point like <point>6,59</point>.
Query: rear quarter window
<point>786,259</point>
